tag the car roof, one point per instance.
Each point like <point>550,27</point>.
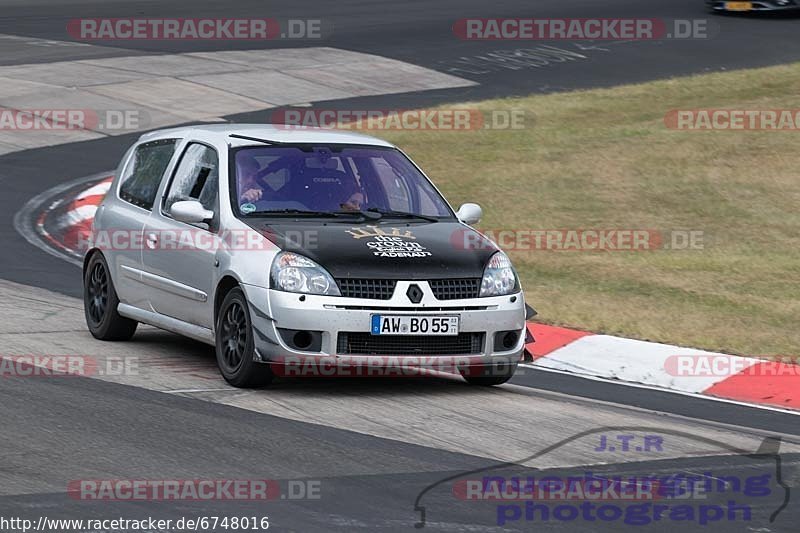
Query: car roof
<point>221,134</point>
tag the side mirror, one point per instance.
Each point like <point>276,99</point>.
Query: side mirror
<point>190,211</point>
<point>469,213</point>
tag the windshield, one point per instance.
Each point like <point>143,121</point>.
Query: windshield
<point>331,179</point>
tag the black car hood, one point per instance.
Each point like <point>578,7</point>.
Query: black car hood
<point>386,249</point>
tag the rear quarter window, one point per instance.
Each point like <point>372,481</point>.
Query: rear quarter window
<point>143,173</point>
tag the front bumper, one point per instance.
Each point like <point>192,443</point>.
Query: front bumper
<point>273,311</point>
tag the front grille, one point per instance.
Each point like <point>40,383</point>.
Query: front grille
<point>427,308</point>
<point>375,289</point>
<point>357,343</point>
<point>455,289</point>
<point>383,289</point>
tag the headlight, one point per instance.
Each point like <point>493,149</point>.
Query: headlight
<point>295,273</point>
<point>499,278</point>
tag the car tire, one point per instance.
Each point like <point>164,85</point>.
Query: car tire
<point>488,376</point>
<point>100,303</point>
<point>235,345</point>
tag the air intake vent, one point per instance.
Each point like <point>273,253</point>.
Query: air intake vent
<point>455,289</point>
<point>349,343</point>
<point>374,289</point>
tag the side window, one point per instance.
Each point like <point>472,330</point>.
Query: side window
<point>139,183</point>
<point>196,178</point>
<point>396,189</point>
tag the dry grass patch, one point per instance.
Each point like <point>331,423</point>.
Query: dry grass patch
<point>604,159</point>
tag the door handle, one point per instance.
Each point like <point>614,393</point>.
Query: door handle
<point>151,240</point>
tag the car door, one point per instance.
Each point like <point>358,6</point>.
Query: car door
<point>179,258</point>
<point>121,220</point>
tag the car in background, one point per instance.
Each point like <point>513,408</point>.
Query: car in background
<point>756,6</point>
<point>300,245</point>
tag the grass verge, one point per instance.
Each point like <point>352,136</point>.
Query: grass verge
<point>604,159</point>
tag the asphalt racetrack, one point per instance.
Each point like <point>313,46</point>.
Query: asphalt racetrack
<point>355,454</point>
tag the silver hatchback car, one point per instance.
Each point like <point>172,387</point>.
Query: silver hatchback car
<point>299,251</point>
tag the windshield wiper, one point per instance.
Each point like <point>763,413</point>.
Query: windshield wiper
<point>402,214</point>
<point>373,213</point>
<point>256,139</point>
<point>305,212</point>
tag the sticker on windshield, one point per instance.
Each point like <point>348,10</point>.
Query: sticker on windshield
<point>397,243</point>
<point>248,208</point>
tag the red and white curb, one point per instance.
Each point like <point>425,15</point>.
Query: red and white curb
<point>662,366</point>
<point>73,222</point>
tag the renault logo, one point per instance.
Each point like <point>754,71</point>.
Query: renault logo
<point>414,293</point>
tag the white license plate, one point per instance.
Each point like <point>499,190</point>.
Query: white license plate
<point>414,325</point>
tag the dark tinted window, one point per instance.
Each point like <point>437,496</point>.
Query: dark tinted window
<point>143,174</point>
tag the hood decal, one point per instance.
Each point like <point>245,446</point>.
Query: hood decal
<point>392,243</point>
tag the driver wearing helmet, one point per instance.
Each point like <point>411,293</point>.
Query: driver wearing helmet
<point>247,171</point>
